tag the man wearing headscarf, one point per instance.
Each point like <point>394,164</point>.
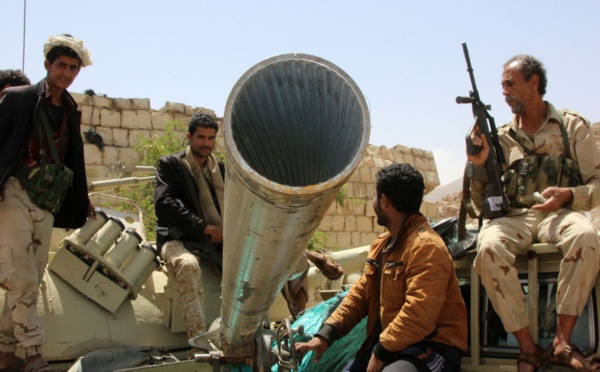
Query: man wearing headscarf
<point>29,116</point>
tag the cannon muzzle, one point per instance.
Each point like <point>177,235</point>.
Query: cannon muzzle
<point>296,127</point>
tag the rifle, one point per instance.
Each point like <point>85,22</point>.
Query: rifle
<point>495,203</point>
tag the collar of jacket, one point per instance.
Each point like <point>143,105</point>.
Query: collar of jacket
<point>411,222</point>
<point>40,89</point>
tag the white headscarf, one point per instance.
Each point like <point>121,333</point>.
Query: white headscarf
<point>71,42</point>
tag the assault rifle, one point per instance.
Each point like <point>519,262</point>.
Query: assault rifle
<point>495,203</point>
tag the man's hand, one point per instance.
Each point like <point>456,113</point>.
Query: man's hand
<point>556,197</point>
<point>91,211</point>
<point>375,365</point>
<point>479,141</point>
<point>316,344</point>
<point>215,233</point>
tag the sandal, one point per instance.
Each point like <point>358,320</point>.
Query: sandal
<point>39,365</point>
<point>565,358</point>
<point>327,265</point>
<point>15,364</point>
<point>535,360</point>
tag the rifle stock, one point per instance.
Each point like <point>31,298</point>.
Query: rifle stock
<point>495,203</point>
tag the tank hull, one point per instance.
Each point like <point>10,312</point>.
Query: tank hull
<point>76,325</point>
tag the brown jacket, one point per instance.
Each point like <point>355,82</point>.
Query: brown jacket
<point>420,297</point>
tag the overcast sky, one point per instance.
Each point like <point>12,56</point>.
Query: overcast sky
<point>405,56</point>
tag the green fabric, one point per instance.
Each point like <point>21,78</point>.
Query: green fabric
<point>338,354</point>
<point>46,185</point>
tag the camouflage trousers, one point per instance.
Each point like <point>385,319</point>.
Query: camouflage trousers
<point>184,266</point>
<point>25,232</point>
<point>502,239</point>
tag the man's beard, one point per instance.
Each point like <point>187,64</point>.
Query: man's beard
<point>382,219</point>
<point>519,108</point>
<point>199,153</point>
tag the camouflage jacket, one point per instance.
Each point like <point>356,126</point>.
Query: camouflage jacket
<point>549,141</point>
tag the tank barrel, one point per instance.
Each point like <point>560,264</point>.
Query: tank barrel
<point>117,182</point>
<point>129,170</point>
<point>295,127</point>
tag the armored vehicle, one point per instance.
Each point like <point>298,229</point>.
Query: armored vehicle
<point>296,126</point>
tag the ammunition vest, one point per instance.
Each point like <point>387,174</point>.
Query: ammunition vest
<point>536,172</point>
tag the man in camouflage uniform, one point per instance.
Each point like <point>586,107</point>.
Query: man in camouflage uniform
<point>553,152</point>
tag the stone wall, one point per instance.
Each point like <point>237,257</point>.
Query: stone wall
<point>351,223</point>
<point>354,223</point>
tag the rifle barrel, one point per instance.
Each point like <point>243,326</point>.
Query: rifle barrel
<point>461,99</point>
<point>475,92</point>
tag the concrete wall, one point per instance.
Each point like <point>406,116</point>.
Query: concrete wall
<point>120,121</point>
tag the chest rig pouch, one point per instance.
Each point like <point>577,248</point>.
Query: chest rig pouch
<point>46,184</point>
<point>536,172</point>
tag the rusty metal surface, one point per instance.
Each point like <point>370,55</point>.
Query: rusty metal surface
<point>296,127</point>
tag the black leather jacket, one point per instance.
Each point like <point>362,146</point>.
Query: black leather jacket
<point>174,203</point>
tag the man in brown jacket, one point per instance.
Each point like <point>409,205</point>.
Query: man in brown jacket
<point>417,319</point>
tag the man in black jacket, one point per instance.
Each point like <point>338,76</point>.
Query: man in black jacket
<point>188,202</point>
<point>26,223</point>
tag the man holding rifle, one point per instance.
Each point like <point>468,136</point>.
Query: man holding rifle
<point>552,153</point>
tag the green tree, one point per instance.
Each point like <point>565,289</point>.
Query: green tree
<point>149,149</point>
<point>317,242</point>
<point>340,197</point>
